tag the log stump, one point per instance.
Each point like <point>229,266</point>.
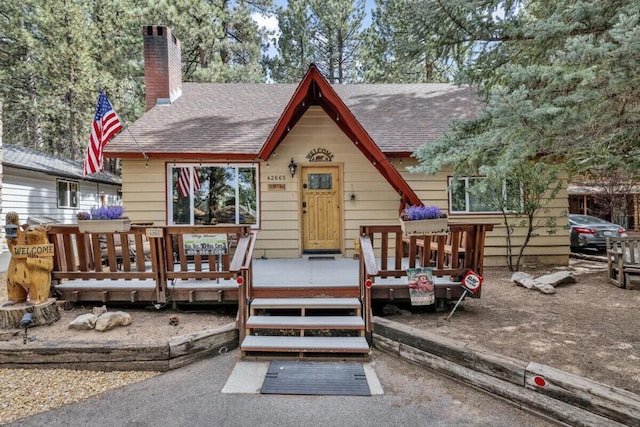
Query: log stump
<point>44,313</point>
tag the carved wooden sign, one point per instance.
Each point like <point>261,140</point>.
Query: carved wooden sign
<point>320,155</point>
<point>26,251</point>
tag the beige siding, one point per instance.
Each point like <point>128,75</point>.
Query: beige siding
<point>143,191</point>
<point>375,201</point>
<point>545,248</point>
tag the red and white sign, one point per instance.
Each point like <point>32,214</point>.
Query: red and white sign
<point>472,282</point>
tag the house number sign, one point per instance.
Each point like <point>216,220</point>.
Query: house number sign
<point>320,155</point>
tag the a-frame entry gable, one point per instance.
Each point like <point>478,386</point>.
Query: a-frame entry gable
<point>314,89</point>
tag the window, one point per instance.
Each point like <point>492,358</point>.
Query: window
<point>320,181</point>
<point>67,194</point>
<point>213,194</point>
<point>474,195</point>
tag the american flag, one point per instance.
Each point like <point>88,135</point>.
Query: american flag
<point>183,181</point>
<point>105,125</point>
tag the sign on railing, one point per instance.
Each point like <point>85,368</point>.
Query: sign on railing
<point>205,244</point>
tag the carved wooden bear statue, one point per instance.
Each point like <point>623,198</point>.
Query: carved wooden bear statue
<point>28,274</point>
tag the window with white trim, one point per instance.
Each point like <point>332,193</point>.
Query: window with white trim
<point>213,194</point>
<point>467,195</point>
<point>67,193</point>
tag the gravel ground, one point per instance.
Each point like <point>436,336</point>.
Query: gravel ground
<point>27,392</point>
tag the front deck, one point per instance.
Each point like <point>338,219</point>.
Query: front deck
<point>181,265</point>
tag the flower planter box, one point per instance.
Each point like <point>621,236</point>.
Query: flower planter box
<point>423,227</point>
<point>104,225</point>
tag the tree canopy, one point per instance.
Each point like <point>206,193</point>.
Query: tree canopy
<point>55,55</point>
<point>560,80</point>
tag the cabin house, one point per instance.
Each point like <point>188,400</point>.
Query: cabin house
<point>306,165</point>
<point>43,188</point>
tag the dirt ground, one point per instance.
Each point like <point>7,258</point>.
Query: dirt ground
<point>588,328</point>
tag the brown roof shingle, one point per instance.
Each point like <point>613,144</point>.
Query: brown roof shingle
<point>237,118</point>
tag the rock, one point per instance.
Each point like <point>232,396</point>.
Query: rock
<point>84,322</point>
<point>523,279</point>
<point>556,279</point>
<point>112,319</point>
<point>544,288</point>
<point>98,311</point>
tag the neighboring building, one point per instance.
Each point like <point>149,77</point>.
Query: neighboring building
<point>305,164</point>
<point>41,187</point>
<point>618,202</point>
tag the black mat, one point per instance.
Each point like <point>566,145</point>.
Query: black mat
<point>322,258</point>
<point>317,378</point>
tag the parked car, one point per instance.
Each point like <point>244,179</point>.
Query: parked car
<point>592,232</point>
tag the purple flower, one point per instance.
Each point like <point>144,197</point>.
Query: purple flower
<point>107,212</point>
<point>414,213</point>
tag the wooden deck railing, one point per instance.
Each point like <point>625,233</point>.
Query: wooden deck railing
<point>385,253</point>
<point>150,264</point>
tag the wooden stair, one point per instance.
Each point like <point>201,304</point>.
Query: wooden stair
<point>309,327</point>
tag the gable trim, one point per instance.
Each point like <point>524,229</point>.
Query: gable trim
<point>314,89</point>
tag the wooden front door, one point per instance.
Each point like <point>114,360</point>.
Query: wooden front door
<point>321,189</point>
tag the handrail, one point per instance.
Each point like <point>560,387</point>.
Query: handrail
<point>368,271</point>
<point>241,265</point>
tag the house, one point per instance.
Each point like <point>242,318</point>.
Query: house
<point>304,164</point>
<point>41,187</point>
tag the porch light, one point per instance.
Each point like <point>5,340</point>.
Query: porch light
<point>292,167</point>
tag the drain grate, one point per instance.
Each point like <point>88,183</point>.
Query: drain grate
<point>316,378</point>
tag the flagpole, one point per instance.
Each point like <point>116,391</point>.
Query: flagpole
<point>146,157</point>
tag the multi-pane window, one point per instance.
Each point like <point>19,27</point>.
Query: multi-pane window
<point>67,194</point>
<point>213,194</point>
<point>468,195</point>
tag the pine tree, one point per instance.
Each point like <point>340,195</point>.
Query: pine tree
<point>220,41</point>
<point>560,79</point>
<point>391,52</point>
<point>336,43</point>
<point>327,33</point>
<point>294,45</point>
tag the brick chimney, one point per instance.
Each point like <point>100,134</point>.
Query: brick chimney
<point>162,66</point>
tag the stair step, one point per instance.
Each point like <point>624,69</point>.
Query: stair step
<point>306,291</point>
<point>305,322</point>
<point>305,344</point>
<point>265,303</point>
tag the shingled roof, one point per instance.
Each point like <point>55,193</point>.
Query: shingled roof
<point>234,120</point>
<point>33,160</point>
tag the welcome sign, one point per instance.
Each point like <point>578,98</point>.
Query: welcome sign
<point>27,251</point>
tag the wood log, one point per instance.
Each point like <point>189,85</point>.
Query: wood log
<point>612,402</point>
<point>519,395</point>
<point>44,352</point>
<point>44,313</point>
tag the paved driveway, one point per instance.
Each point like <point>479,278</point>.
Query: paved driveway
<point>192,396</point>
